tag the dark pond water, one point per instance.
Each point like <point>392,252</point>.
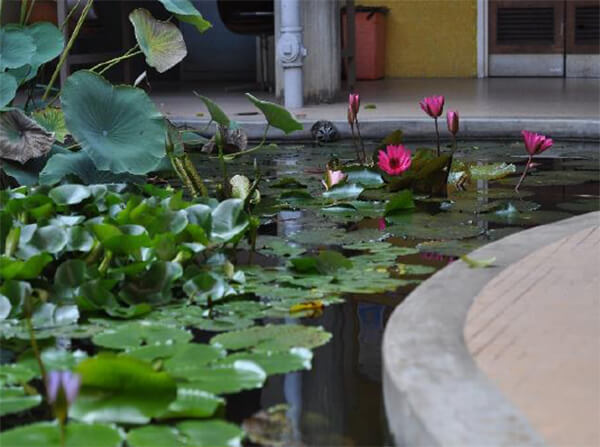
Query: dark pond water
<point>339,402</point>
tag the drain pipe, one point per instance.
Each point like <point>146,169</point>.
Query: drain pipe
<point>291,53</point>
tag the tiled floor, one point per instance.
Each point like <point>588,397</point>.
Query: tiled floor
<point>398,98</point>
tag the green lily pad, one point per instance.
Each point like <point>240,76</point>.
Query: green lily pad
<point>161,42</point>
<point>117,389</point>
<point>47,434</point>
<point>492,171</point>
<point>345,191</point>
<point>135,334</point>
<point>211,433</point>
<point>281,362</point>
<point>12,374</point>
<point>273,338</point>
<point>364,177</point>
<point>192,403</point>
<point>16,399</point>
<point>119,127</point>
<point>276,115</point>
<point>401,201</point>
<point>224,379</point>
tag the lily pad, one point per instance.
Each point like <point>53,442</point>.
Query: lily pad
<point>120,128</point>
<point>402,201</point>
<point>161,42</point>
<point>281,362</point>
<point>21,138</point>
<point>16,399</point>
<point>224,379</point>
<point>47,434</point>
<point>192,403</point>
<point>187,434</point>
<point>273,338</point>
<point>135,334</point>
<point>347,191</point>
<point>116,389</point>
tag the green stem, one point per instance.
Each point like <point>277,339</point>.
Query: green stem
<point>65,53</point>
<point>437,132</point>
<point>1,12</point>
<point>354,142</point>
<point>362,144</point>
<point>105,263</point>
<point>524,174</point>
<point>23,12</point>
<point>12,241</point>
<point>249,151</point>
<point>29,11</point>
<point>112,62</point>
<point>69,15</point>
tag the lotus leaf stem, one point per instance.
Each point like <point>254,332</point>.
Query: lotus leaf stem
<point>65,53</point>
<point>69,15</point>
<point>29,11</point>
<point>23,12</point>
<point>252,149</point>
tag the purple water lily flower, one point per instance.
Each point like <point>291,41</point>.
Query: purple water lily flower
<point>66,381</point>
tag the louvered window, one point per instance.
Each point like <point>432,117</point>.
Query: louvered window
<point>587,25</point>
<point>525,26</point>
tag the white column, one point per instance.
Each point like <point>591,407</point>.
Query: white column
<point>291,53</point>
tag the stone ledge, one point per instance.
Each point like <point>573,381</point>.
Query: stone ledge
<point>433,391</point>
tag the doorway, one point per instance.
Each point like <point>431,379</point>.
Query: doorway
<point>559,38</point>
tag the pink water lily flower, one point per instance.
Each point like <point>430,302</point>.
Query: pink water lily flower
<point>354,102</point>
<point>332,178</point>
<point>536,143</point>
<point>433,106</point>
<point>452,121</point>
<point>395,159</point>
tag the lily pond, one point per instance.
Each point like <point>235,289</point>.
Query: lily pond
<point>182,334</point>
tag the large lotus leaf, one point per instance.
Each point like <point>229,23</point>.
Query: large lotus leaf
<point>223,379</point>
<point>119,127</point>
<point>49,43</point>
<point>121,389</point>
<point>21,138</point>
<point>161,42</point>
<point>17,48</point>
<point>53,120</point>
<point>228,220</point>
<point>282,362</point>
<point>8,89</point>
<point>80,165</point>
<point>185,11</point>
<point>47,434</point>
<point>273,337</point>
<point>211,433</point>
<point>276,115</point>
<point>216,113</point>
<point>16,399</point>
<point>135,334</point>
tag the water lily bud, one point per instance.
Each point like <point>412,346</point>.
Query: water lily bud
<point>433,106</point>
<point>452,120</point>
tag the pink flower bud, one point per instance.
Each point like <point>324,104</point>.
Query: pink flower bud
<point>452,120</point>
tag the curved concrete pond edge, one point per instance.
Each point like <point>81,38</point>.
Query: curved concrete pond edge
<point>433,391</point>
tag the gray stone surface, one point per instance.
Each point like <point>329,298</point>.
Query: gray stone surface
<point>434,393</point>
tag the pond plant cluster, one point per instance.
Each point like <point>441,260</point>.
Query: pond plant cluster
<point>111,283</point>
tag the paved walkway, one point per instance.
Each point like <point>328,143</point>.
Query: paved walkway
<point>399,98</point>
<point>535,331</point>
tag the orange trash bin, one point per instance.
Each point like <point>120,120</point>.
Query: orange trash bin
<point>369,41</point>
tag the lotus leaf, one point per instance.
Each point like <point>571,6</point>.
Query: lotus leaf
<point>53,120</point>
<point>161,42</point>
<point>185,11</point>
<point>276,115</point>
<point>21,138</point>
<point>8,89</point>
<point>118,127</point>
<point>17,48</point>
<point>216,113</point>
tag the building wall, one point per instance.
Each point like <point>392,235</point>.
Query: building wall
<point>430,38</point>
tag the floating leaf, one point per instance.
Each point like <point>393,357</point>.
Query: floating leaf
<point>346,191</point>
<point>491,171</point>
<point>21,138</point>
<point>135,334</point>
<point>15,400</point>
<point>186,434</point>
<point>478,263</point>
<point>216,113</point>
<point>53,120</point>
<point>192,403</point>
<point>12,374</point>
<point>223,379</point>
<point>117,389</point>
<point>161,42</point>
<point>276,115</point>
<point>273,338</point>
<point>185,11</point>
<point>281,362</point>
<point>364,177</point>
<point>47,434</point>
<point>119,127</point>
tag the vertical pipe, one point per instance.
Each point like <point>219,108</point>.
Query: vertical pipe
<point>291,53</point>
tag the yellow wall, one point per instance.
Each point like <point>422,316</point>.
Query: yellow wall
<point>430,38</point>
